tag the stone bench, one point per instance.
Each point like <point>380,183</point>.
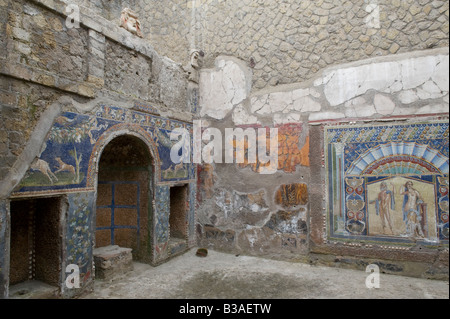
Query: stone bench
<point>112,261</point>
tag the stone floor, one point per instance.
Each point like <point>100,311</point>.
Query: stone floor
<point>32,289</point>
<point>226,276</point>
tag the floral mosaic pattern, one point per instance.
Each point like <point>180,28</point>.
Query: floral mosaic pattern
<point>191,217</point>
<point>162,214</point>
<point>80,233</point>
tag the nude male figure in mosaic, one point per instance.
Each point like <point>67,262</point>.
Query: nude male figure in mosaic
<point>383,205</point>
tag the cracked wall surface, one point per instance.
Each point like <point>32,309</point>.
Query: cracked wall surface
<point>399,90</point>
<point>403,84</point>
<point>339,80</point>
<point>289,41</point>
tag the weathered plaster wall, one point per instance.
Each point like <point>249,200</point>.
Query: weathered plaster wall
<point>267,64</point>
<point>402,84</point>
<point>243,211</point>
<point>290,41</point>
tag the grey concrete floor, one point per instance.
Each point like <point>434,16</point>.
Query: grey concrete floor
<point>226,276</point>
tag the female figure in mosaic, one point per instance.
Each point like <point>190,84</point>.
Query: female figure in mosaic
<point>412,210</point>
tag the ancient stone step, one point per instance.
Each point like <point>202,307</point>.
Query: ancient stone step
<point>112,261</point>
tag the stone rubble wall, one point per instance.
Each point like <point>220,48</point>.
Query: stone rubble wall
<point>285,41</point>
<point>44,65</point>
<point>290,41</point>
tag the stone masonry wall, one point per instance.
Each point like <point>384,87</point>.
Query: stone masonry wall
<point>35,46</point>
<point>108,9</point>
<point>289,41</point>
<point>286,41</point>
<point>46,66</point>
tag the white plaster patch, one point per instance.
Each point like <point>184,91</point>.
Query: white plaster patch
<point>360,111</point>
<point>241,116</point>
<point>355,102</point>
<point>350,82</point>
<point>358,107</point>
<point>325,78</point>
<point>427,73</point>
<point>222,88</point>
<point>408,97</point>
<point>431,109</point>
<point>405,110</point>
<point>298,100</point>
<point>320,116</point>
<point>441,74</point>
<point>383,104</point>
<point>396,87</point>
<point>306,104</point>
<point>258,102</point>
<point>265,109</point>
<point>279,119</point>
<point>299,93</point>
<point>279,101</point>
<point>417,71</point>
<point>429,90</point>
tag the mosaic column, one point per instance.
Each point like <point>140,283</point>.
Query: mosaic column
<point>79,239</point>
<point>161,237</point>
<point>4,249</point>
<point>191,214</point>
<point>339,188</point>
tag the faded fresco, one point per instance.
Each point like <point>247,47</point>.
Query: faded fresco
<point>66,161</point>
<point>388,182</point>
<point>290,155</point>
<point>292,195</point>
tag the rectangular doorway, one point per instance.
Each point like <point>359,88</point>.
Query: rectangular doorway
<point>35,244</point>
<point>177,217</point>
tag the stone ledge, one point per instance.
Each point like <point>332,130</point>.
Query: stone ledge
<point>111,261</point>
<point>27,73</point>
<point>104,27</point>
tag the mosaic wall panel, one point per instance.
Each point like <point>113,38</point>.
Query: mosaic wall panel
<point>388,183</point>
<point>3,216</point>
<point>162,205</point>
<point>162,197</point>
<point>191,216</point>
<point>80,232</point>
<point>66,160</point>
